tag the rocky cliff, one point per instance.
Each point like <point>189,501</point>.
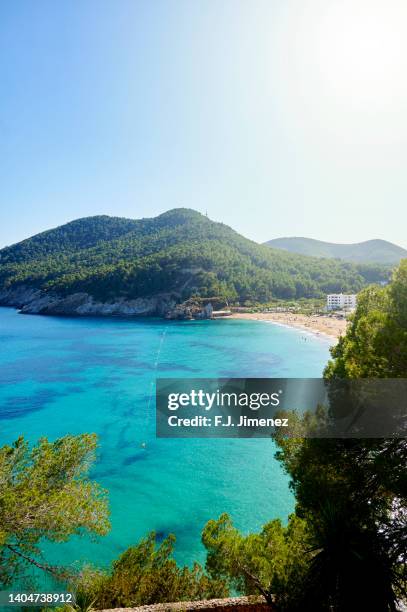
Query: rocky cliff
<point>35,301</point>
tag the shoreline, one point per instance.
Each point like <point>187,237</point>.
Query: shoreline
<point>318,325</point>
<point>321,325</point>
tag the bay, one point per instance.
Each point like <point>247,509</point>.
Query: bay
<point>74,375</point>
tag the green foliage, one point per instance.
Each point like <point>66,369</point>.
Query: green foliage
<point>272,562</point>
<point>376,342</point>
<point>181,252</point>
<point>355,566</point>
<point>45,494</point>
<point>353,493</point>
<point>146,574</point>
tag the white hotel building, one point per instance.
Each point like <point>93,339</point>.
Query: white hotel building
<point>341,301</point>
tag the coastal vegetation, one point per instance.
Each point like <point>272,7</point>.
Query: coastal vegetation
<point>344,548</point>
<point>376,342</point>
<point>46,494</point>
<point>180,253</point>
<point>146,573</point>
<point>300,306</point>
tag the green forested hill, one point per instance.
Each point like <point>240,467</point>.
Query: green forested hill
<point>180,252</point>
<point>370,251</point>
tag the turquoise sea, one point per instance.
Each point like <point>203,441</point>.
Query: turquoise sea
<point>66,375</point>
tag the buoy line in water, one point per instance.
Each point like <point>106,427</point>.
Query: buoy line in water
<point>157,359</point>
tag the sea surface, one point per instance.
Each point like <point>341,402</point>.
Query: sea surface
<point>74,375</point>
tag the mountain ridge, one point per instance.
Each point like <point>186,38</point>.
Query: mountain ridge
<point>368,251</point>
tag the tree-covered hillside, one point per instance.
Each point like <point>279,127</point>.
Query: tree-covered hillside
<point>180,252</point>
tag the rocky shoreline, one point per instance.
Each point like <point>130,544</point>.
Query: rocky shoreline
<point>30,300</point>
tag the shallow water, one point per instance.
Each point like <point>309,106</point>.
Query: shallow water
<point>65,375</point>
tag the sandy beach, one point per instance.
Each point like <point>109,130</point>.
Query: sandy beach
<point>322,324</point>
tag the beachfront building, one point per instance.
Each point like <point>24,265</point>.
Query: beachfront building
<point>341,301</point>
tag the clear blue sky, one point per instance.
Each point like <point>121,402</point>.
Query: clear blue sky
<point>277,117</point>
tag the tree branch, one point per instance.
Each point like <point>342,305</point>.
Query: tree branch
<point>266,594</point>
<point>44,567</point>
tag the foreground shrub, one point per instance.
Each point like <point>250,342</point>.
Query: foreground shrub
<point>145,574</point>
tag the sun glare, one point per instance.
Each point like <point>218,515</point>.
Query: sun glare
<point>348,53</point>
<point>361,50</point>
